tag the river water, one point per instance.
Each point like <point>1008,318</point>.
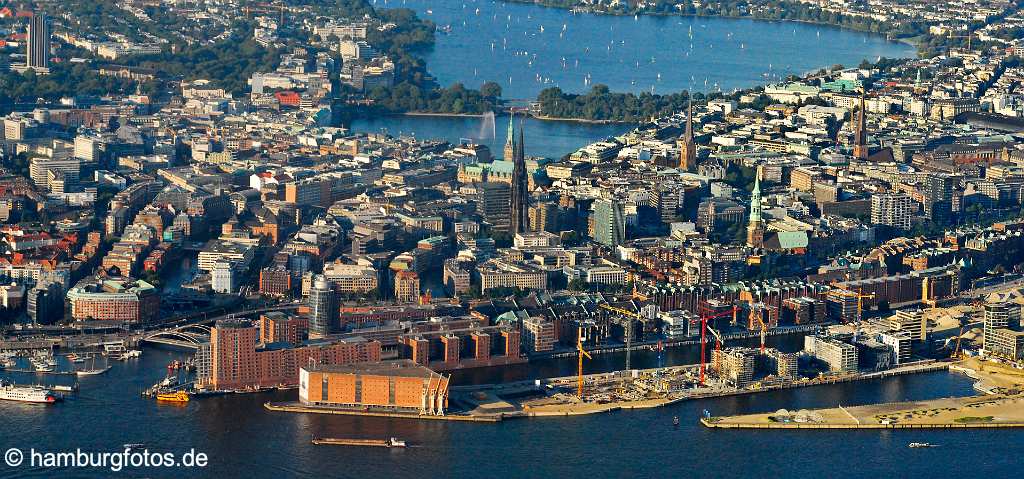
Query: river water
<point>243,439</point>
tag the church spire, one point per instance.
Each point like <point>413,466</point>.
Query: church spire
<point>520,186</point>
<point>510,139</point>
<point>860,134</point>
<point>687,148</point>
<point>755,228</point>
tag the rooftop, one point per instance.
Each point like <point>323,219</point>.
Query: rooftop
<point>398,367</point>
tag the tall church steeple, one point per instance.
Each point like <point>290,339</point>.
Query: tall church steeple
<point>755,228</point>
<point>520,186</point>
<point>860,134</point>
<point>687,148</point>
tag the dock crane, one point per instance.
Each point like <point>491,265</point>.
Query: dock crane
<point>582,353</point>
<point>703,336</point>
<point>629,326</point>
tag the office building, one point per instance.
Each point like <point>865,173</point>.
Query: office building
<point>998,316</point>
<point>323,305</point>
<point>41,166</point>
<point>407,287</point>
<point>37,53</point>
<point>235,360</point>
<point>839,356</point>
<point>224,277</point>
<point>609,223</point>
<point>911,322</point>
<point>892,209</point>
<point>114,299</point>
<point>493,199</point>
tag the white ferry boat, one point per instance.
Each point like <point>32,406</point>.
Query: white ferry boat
<point>12,392</point>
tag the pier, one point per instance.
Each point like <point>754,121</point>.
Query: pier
<point>298,407</point>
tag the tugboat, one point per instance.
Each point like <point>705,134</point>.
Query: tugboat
<point>177,397</point>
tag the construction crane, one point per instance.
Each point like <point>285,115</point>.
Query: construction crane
<point>718,343</point>
<point>950,36</point>
<point>582,353</point>
<point>956,349</point>
<point>265,8</point>
<point>860,299</point>
<point>703,336</point>
<point>630,316</point>
<point>764,331</point>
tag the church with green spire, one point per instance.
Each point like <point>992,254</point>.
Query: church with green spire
<point>755,227</point>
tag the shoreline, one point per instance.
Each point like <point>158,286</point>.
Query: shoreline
<point>429,114</point>
<point>1000,406</point>
<point>588,11</point>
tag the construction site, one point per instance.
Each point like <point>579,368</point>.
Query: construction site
<point>1001,406</point>
<point>723,372</point>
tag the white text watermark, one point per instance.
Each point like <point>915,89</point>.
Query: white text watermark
<point>128,457</point>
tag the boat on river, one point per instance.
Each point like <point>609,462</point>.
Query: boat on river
<point>337,441</point>
<point>176,397</point>
<point>32,394</point>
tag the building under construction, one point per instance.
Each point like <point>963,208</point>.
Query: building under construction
<point>740,367</point>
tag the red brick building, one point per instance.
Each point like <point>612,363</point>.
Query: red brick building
<point>234,359</point>
<point>401,386</point>
<point>275,281</point>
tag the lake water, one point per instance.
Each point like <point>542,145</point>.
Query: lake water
<point>550,139</point>
<point>504,43</point>
<point>526,48</point>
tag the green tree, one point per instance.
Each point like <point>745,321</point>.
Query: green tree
<point>490,90</point>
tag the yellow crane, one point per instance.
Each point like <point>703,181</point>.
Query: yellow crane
<point>956,349</point>
<point>582,353</point>
<point>860,299</point>
<point>630,316</point>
